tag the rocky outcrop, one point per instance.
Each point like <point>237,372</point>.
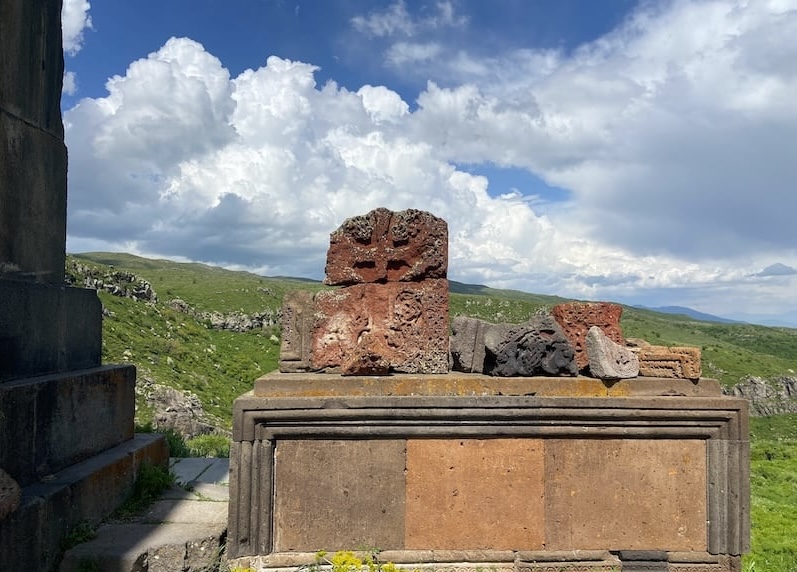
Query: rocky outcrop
<point>234,321</point>
<point>576,318</point>
<point>180,411</point>
<point>767,397</point>
<point>115,282</point>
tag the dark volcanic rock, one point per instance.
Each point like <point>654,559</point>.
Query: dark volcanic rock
<point>538,347</point>
<point>387,246</point>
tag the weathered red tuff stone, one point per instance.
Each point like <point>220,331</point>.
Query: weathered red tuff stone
<point>387,246</point>
<point>407,321</point>
<point>576,318</point>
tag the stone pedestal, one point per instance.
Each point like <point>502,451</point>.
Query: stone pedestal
<point>465,471</point>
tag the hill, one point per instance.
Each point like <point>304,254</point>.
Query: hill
<point>213,331</point>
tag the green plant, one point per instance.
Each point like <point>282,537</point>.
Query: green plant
<point>211,445</point>
<point>82,532</point>
<point>150,484</point>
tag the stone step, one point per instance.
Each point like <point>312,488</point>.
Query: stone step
<point>184,530</point>
<point>30,538</point>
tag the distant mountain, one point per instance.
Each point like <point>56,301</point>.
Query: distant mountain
<point>689,312</point>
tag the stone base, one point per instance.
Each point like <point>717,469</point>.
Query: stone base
<point>47,329</point>
<point>465,464</point>
<point>51,422</point>
<point>508,561</point>
<point>31,538</point>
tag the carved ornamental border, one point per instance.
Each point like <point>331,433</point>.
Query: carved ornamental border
<point>258,422</point>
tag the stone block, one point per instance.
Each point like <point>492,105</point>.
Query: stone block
<point>298,311</point>
<point>408,319</point>
<point>32,203</point>
<point>387,246</point>
<point>468,494</point>
<point>633,494</point>
<point>30,538</point>
<point>576,318</point>
<point>467,344</point>
<point>608,360</point>
<point>32,63</point>
<point>51,422</point>
<point>674,362</point>
<point>47,329</point>
<point>538,347</point>
<point>338,494</point>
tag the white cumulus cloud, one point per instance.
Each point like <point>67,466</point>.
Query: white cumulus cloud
<point>75,20</point>
<point>673,142</point>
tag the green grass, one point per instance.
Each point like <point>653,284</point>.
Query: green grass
<point>773,483</point>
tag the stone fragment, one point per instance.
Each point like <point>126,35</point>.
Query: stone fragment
<point>576,318</point>
<point>409,320</point>
<point>10,494</point>
<point>675,362</point>
<point>368,358</point>
<point>297,326</point>
<point>387,246</point>
<point>607,359</point>
<point>468,342</point>
<point>538,347</point>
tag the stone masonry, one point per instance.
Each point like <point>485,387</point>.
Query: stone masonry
<point>607,359</point>
<point>391,311</point>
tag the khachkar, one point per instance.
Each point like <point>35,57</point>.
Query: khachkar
<point>550,445</point>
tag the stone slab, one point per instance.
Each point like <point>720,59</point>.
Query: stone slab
<point>41,416</point>
<point>662,361</point>
<point>218,472</point>
<point>407,320</point>
<point>277,384</point>
<point>327,493</point>
<point>47,329</point>
<point>641,494</point>
<point>144,547</point>
<point>475,494</point>
<point>186,512</point>
<point>298,310</point>
<point>30,538</point>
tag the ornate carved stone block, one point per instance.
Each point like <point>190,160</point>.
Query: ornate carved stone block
<point>675,362</point>
<point>576,318</point>
<point>407,320</point>
<point>387,246</point>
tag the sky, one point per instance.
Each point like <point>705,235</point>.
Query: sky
<point>641,152</point>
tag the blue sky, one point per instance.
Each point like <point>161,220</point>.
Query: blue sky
<point>632,151</point>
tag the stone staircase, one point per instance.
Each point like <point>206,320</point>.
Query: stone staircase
<point>183,531</point>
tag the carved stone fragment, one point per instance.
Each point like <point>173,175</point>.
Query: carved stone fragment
<point>607,359</point>
<point>298,309</point>
<point>368,358</point>
<point>387,246</point>
<point>576,318</point>
<point>10,494</point>
<point>409,320</point>
<point>468,342</point>
<point>538,347</point>
<point>675,362</point>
